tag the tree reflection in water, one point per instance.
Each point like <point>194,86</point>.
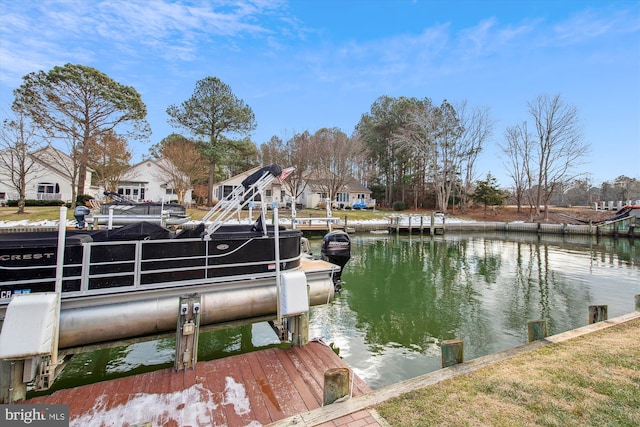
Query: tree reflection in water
<point>403,295</point>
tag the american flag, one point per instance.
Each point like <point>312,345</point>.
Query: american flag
<point>285,173</point>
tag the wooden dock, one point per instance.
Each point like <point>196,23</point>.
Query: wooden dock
<point>255,388</point>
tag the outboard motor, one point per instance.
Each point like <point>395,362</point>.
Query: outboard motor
<point>79,213</point>
<point>336,248</point>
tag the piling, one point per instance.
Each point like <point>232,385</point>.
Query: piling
<point>597,313</point>
<point>433,224</point>
<point>336,384</point>
<point>537,330</point>
<point>636,298</point>
<point>452,352</point>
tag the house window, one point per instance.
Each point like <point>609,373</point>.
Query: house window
<point>170,191</point>
<point>48,191</point>
<point>268,193</point>
<point>342,197</point>
<point>226,190</point>
<point>132,191</point>
<point>46,188</point>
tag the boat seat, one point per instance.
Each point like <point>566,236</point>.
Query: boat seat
<point>191,233</point>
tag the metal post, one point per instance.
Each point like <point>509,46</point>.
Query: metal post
<point>110,222</point>
<point>62,234</point>
<point>187,332</point>
<point>293,213</point>
<point>276,238</point>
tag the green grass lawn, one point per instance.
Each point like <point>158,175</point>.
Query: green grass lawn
<point>39,213</point>
<point>592,380</point>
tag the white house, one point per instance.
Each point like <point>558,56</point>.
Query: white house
<point>312,197</point>
<point>274,192</point>
<point>150,180</point>
<point>352,193</point>
<point>49,177</point>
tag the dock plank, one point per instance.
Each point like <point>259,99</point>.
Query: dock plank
<point>269,400</point>
<point>254,392</point>
<point>280,383</point>
<point>298,381</point>
<point>314,387</point>
<point>212,379</point>
<point>273,383</point>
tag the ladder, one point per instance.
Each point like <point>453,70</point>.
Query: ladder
<point>242,195</point>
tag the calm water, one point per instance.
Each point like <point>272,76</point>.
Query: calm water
<point>404,295</point>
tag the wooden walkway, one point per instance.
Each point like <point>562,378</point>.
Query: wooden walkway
<point>256,388</point>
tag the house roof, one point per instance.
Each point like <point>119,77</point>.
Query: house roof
<point>130,174</point>
<point>54,160</point>
<point>351,186</point>
<point>236,179</point>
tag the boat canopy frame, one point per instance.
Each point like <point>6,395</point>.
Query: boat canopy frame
<point>241,196</point>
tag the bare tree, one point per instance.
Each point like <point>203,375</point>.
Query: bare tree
<point>417,136</point>
<point>559,145</point>
<point>435,134</point>
<point>296,152</point>
<point>477,128</point>
<point>183,162</point>
<point>517,149</point>
<point>333,154</point>
<point>109,159</point>
<point>17,166</point>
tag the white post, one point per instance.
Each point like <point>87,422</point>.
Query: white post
<point>293,213</point>
<point>62,234</point>
<point>276,238</point>
<point>110,223</point>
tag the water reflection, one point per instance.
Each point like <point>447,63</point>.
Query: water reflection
<point>404,295</point>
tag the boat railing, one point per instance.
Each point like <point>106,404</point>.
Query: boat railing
<point>143,272</point>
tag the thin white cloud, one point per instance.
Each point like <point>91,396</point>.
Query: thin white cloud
<point>589,24</point>
<point>175,31</point>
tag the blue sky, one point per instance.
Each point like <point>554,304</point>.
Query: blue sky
<point>304,65</point>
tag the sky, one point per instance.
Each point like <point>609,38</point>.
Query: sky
<point>305,65</point>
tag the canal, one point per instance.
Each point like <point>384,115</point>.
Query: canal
<point>404,295</point>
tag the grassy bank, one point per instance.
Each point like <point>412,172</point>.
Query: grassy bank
<point>590,380</point>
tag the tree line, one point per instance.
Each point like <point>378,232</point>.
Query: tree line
<point>404,149</point>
